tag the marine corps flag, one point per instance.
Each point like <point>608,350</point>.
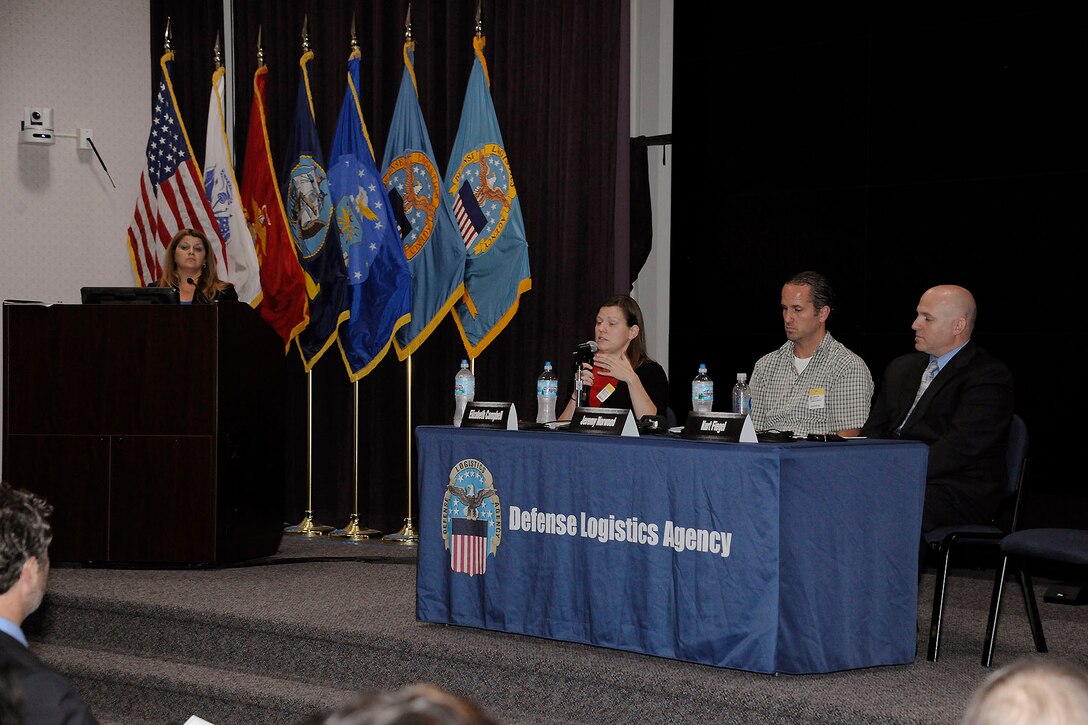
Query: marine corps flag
<point>308,204</point>
<point>284,305</point>
<point>171,189</point>
<point>221,188</point>
<point>379,285</point>
<point>486,208</point>
<point>435,252</point>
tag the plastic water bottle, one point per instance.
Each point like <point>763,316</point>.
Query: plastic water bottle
<point>742,397</point>
<point>547,389</point>
<point>702,391</point>
<point>464,390</point>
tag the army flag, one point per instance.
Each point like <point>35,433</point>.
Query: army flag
<point>308,204</point>
<point>171,195</point>
<point>284,304</point>
<point>484,199</point>
<point>241,268</point>
<point>435,253</point>
<point>379,284</point>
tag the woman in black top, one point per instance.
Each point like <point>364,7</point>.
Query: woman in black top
<point>189,266</point>
<point>622,374</point>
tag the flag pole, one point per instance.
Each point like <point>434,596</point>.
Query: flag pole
<point>408,533</point>
<point>307,527</point>
<point>353,531</point>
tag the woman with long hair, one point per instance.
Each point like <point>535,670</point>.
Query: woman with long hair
<point>189,266</point>
<point>622,374</point>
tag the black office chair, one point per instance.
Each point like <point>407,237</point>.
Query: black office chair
<point>1018,550</point>
<point>946,538</point>
<point>670,417</point>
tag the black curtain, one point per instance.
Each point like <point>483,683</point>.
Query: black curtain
<point>558,75</point>
<point>892,151</point>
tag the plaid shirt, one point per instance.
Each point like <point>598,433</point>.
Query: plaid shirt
<point>832,394</point>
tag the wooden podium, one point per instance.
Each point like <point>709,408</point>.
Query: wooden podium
<point>155,431</point>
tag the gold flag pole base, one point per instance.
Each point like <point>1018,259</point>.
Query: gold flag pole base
<point>354,532</point>
<point>406,535</point>
<point>307,527</point>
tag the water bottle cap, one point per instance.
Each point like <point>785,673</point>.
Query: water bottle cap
<point>464,363</point>
<point>702,367</point>
<point>742,377</point>
<point>548,365</point>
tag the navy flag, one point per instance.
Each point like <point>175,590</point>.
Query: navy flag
<point>484,200</point>
<point>435,253</point>
<point>379,284</point>
<point>308,203</point>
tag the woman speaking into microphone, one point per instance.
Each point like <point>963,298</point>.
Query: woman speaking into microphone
<point>189,265</point>
<point>621,375</point>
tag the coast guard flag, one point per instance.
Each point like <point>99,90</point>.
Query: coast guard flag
<point>171,189</point>
<point>221,188</point>
<point>488,214</point>
<point>308,204</point>
<point>379,284</point>
<point>435,252</point>
<point>284,305</point>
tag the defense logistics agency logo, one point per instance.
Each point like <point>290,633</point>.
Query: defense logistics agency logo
<point>483,197</point>
<point>413,186</point>
<point>471,517</point>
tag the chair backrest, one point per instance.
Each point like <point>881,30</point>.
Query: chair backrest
<point>1016,458</point>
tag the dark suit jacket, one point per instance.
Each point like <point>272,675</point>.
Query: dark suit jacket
<point>47,696</point>
<point>964,416</point>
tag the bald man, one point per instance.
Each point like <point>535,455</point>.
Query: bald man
<point>963,413</point>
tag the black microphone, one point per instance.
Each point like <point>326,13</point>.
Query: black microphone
<point>585,351</point>
<point>196,290</point>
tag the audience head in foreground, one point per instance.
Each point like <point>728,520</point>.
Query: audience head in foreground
<point>1031,691</point>
<point>419,704</point>
<point>25,534</point>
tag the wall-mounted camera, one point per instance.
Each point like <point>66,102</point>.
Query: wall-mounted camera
<point>37,126</point>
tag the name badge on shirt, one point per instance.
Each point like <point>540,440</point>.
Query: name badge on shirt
<point>816,398</point>
<point>605,392</point>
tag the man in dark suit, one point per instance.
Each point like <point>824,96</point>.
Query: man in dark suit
<point>955,397</point>
<point>46,696</point>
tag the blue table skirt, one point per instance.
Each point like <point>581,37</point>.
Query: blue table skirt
<point>796,558</point>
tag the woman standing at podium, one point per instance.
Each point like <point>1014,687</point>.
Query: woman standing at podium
<point>622,374</point>
<point>188,267</point>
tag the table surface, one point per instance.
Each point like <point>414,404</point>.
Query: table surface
<point>769,557</point>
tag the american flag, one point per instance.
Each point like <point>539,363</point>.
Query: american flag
<point>171,193</point>
<point>470,218</point>
<point>468,546</point>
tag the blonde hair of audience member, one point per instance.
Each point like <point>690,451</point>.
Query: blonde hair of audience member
<point>419,704</point>
<point>1031,691</point>
<point>207,278</point>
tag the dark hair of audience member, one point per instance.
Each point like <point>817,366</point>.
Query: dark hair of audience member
<point>24,532</point>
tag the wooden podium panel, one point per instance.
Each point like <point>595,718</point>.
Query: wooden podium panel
<point>155,431</point>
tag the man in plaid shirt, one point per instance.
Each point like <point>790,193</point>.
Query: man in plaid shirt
<point>813,383</point>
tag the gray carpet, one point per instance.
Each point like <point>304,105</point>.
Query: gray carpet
<point>277,640</point>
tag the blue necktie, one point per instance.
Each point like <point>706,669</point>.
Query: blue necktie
<point>927,378</point>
